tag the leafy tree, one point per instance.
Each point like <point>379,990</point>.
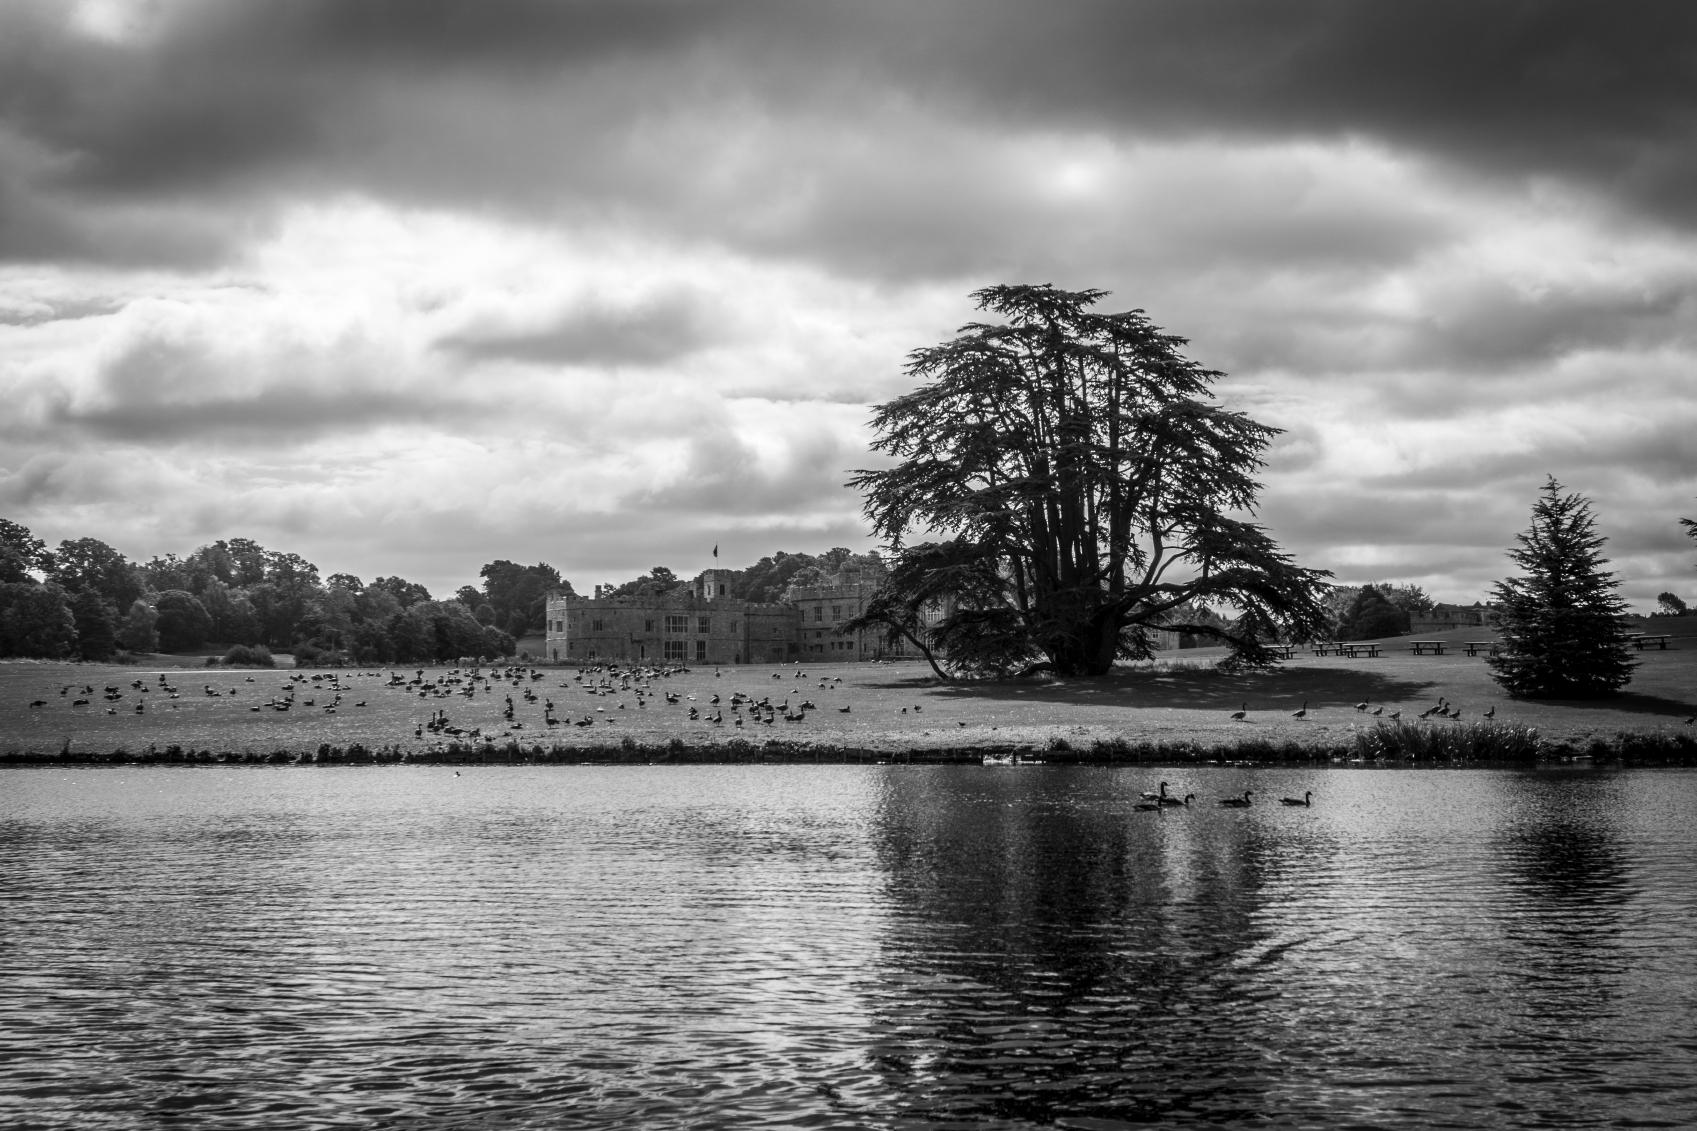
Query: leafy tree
<point>470,596</point>
<point>233,618</point>
<point>369,643</point>
<point>247,559</point>
<point>408,593</point>
<point>1669,605</point>
<point>35,620</point>
<point>1371,616</point>
<point>97,633</point>
<point>182,623</point>
<point>89,563</point>
<point>1563,624</point>
<point>290,571</point>
<point>518,594</point>
<point>1074,457</point>
<point>21,552</point>
<point>767,579</point>
<point>345,581</point>
<point>167,573</point>
<point>656,582</point>
<point>137,633</point>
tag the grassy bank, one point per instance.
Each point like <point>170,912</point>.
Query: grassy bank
<point>1385,744</point>
<point>1180,708</point>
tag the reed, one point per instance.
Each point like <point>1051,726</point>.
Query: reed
<point>1454,742</point>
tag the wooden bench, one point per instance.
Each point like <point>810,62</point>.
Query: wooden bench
<point>1642,640</point>
<point>1421,647</point>
<point>1474,647</point>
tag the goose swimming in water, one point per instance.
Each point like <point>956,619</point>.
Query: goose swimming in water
<point>1173,802</point>
<point>1156,796</point>
<point>1237,802</point>
<point>1307,800</point>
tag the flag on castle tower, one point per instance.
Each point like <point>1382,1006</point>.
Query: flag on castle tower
<point>715,549</point>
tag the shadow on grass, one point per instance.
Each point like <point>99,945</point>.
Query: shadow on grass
<point>1631,702</point>
<point>1277,690</point>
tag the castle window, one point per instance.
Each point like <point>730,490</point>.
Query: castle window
<point>704,624</point>
<point>836,612</point>
<point>648,626</point>
<point>595,626</point>
<point>818,612</point>
<point>701,651</point>
<point>721,590</point>
<point>678,624</point>
<point>675,650</point>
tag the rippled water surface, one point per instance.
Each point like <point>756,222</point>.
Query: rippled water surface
<point>876,946</point>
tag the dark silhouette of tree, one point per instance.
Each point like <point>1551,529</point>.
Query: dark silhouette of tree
<point>1372,616</point>
<point>408,593</point>
<point>89,563</point>
<point>1669,605</point>
<point>137,633</point>
<point>97,633</point>
<point>518,594</point>
<point>1074,456</point>
<point>183,623</point>
<point>1562,625</point>
<point>35,620</point>
<point>21,552</point>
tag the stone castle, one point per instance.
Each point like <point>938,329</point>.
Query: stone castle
<point>700,623</point>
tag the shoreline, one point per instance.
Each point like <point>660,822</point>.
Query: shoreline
<point>1481,745</point>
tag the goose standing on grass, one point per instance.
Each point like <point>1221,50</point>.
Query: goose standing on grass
<point>1492,713</point>
<point>1307,800</point>
<point>1302,714</point>
<point>1377,711</point>
<point>1395,716</point>
<point>1361,706</point>
<point>1239,714</point>
<point>1237,802</point>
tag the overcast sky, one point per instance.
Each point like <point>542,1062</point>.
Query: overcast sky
<point>408,286</point>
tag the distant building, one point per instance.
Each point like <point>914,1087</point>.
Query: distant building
<point>700,623</point>
<point>1444,617</point>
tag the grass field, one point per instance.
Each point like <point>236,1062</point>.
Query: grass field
<point>1180,698</point>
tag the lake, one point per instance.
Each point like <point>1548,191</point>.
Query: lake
<point>845,946</point>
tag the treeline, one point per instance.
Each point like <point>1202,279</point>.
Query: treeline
<point>86,600</point>
<point>767,580</point>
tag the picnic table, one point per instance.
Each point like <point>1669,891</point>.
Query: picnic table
<point>1354,650</point>
<point>1420,647</point>
<point>1643,639</point>
<point>1474,647</point>
<point>1285,650</point>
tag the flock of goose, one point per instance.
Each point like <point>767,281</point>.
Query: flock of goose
<point>1153,802</point>
<point>1443,709</point>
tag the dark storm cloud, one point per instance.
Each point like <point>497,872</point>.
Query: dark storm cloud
<point>265,97</point>
<point>653,333</point>
<point>161,393</point>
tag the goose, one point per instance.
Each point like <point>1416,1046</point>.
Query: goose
<point>1302,714</point>
<point>1155,796</point>
<point>1395,716</point>
<point>1361,706</point>
<point>1148,806</point>
<point>1377,711</point>
<point>1492,713</point>
<point>1307,800</point>
<point>843,710</point>
<point>1175,803</point>
<point>1237,802</point>
<point>1241,713</point>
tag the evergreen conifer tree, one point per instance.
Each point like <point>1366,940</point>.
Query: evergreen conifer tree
<point>1563,624</point>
